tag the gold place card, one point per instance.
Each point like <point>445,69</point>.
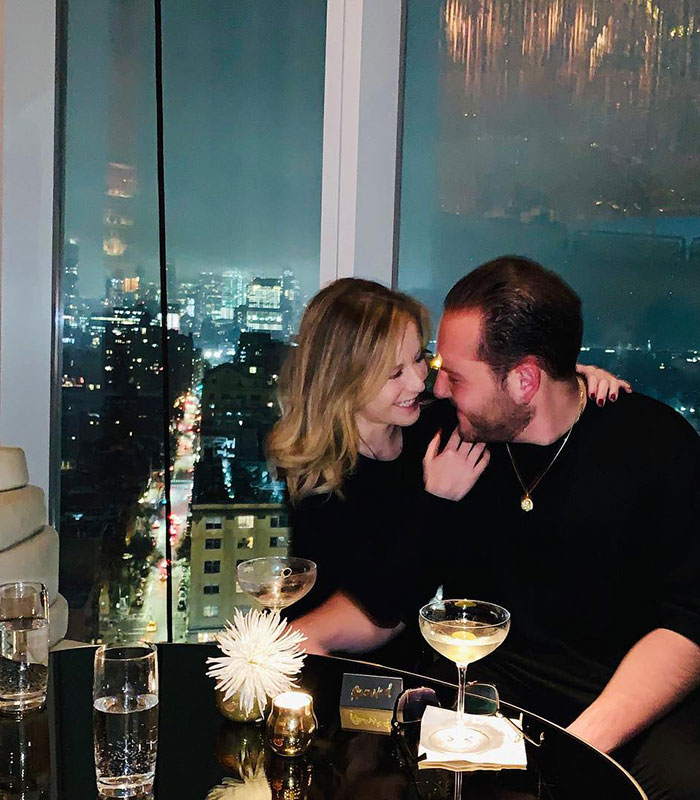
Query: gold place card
<point>367,702</point>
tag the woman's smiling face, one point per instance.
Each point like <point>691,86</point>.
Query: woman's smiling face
<point>397,401</point>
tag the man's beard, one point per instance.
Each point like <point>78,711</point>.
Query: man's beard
<point>505,423</point>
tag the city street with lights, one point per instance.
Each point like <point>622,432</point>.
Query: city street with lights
<point>150,620</point>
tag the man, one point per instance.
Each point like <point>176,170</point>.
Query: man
<point>584,525</point>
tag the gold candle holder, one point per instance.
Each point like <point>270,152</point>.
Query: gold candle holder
<point>291,724</point>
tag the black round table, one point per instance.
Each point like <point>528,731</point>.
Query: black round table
<point>49,754</point>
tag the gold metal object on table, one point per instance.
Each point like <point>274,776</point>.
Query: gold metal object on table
<point>232,708</point>
<point>291,724</point>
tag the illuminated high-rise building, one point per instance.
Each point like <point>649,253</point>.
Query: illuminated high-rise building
<point>117,219</point>
<point>71,313</point>
<point>127,20</point>
<point>264,310</point>
<point>209,291</point>
<point>233,292</point>
<point>291,303</point>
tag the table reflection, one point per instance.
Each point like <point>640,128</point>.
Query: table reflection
<point>25,766</point>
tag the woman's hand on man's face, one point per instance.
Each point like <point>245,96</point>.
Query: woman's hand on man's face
<point>451,473</point>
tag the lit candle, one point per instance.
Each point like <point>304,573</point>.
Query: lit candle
<point>291,724</point>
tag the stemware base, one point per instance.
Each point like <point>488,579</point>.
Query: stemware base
<point>459,739</point>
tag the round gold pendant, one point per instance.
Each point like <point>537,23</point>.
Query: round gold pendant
<point>526,503</point>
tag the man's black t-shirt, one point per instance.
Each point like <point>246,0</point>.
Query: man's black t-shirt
<point>610,551</point>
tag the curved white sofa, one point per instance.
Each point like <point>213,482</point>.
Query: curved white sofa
<point>28,544</point>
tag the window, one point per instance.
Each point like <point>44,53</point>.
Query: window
<point>570,144</point>
<point>233,304</point>
<point>279,522</point>
<point>246,542</point>
<point>210,611</point>
<point>278,541</point>
<point>211,588</point>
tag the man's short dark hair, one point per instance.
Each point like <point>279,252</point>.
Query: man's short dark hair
<point>527,311</point>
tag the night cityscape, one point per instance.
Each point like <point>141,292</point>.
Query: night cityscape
<point>566,131</point>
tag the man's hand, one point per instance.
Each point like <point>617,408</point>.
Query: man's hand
<point>655,675</point>
<point>453,472</point>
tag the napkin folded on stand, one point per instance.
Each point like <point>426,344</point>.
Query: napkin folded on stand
<point>506,751</point>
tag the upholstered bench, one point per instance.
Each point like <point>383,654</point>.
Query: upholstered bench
<point>28,544</point>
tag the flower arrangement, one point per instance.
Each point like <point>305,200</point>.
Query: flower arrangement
<point>249,787</point>
<point>261,658</point>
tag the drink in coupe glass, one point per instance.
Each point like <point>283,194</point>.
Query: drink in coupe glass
<point>463,631</point>
<point>276,581</point>
<point>125,718</point>
<point>24,646</point>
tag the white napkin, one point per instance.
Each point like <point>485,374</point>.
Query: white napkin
<point>507,749</point>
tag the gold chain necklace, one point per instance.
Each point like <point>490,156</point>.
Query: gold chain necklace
<point>526,500</point>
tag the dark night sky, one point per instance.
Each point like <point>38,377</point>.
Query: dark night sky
<point>243,87</point>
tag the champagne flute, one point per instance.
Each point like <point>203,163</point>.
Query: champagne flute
<point>463,631</point>
<point>276,581</point>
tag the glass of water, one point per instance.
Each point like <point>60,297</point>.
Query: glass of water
<point>125,718</point>
<point>24,646</point>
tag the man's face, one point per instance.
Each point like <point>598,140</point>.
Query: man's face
<point>485,408</point>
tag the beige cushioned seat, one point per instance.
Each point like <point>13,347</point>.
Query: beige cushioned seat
<point>22,513</point>
<point>34,559</point>
<point>28,546</point>
<point>58,619</point>
<point>13,468</point>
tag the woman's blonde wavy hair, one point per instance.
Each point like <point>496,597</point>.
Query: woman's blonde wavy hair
<point>345,352</point>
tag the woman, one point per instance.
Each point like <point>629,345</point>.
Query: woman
<point>347,443</point>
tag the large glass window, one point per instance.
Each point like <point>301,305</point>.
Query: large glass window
<point>243,112</point>
<point>567,132</point>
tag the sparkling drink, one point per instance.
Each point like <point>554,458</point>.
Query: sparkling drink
<point>279,593</point>
<point>125,718</point>
<point>463,631</point>
<point>463,641</point>
<point>126,742</point>
<point>276,581</point>
<point>24,646</point>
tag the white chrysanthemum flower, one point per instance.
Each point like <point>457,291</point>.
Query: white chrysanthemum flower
<point>260,658</point>
<point>253,788</point>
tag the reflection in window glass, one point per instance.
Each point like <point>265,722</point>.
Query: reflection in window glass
<point>567,132</point>
<point>112,459</point>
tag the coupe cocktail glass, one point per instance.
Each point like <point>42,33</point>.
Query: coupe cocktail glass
<point>276,581</point>
<point>463,631</point>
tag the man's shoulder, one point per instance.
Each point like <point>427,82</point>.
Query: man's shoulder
<point>642,417</point>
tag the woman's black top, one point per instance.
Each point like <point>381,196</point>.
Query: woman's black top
<point>356,539</point>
